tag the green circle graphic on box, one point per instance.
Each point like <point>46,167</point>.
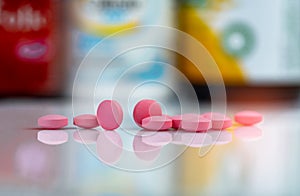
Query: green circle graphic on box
<point>238,39</point>
<point>195,3</point>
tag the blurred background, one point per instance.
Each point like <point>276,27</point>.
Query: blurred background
<point>50,53</point>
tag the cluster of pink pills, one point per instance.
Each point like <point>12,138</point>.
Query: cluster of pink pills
<point>146,114</point>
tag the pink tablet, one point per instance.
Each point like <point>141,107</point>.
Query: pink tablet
<point>87,136</point>
<point>218,121</point>
<point>52,137</point>
<point>210,115</point>
<point>109,147</point>
<point>144,109</point>
<point>109,114</point>
<point>248,117</point>
<point>157,123</point>
<point>195,123</point>
<point>177,119</point>
<point>86,121</point>
<point>53,121</point>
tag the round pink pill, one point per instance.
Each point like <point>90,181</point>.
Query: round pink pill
<point>144,109</point>
<point>86,136</point>
<point>53,121</point>
<point>52,137</point>
<point>157,123</point>
<point>86,121</point>
<point>109,114</point>
<point>248,117</point>
<point>194,123</point>
<point>218,121</point>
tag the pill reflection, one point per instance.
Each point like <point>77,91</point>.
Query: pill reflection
<point>145,151</point>
<point>220,137</point>
<point>157,138</point>
<point>248,133</point>
<point>196,140</point>
<point>201,139</point>
<point>86,136</point>
<point>52,137</point>
<point>109,147</point>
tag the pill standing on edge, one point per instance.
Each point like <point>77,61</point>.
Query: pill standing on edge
<point>52,137</point>
<point>218,121</point>
<point>157,123</point>
<point>109,114</point>
<point>53,121</point>
<point>248,117</point>
<point>144,109</point>
<point>87,121</point>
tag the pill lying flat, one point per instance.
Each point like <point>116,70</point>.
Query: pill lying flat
<point>176,121</point>
<point>87,136</point>
<point>157,123</point>
<point>52,137</point>
<point>248,117</point>
<point>194,123</point>
<point>157,138</point>
<point>87,121</point>
<point>218,121</point>
<point>221,124</point>
<point>109,147</point>
<point>144,109</point>
<point>210,115</point>
<point>109,114</point>
<point>53,121</point>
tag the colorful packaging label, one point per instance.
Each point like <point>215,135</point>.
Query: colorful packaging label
<point>253,42</point>
<point>31,42</point>
<point>111,24</point>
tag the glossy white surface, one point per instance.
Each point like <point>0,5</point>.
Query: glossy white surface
<point>269,165</point>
